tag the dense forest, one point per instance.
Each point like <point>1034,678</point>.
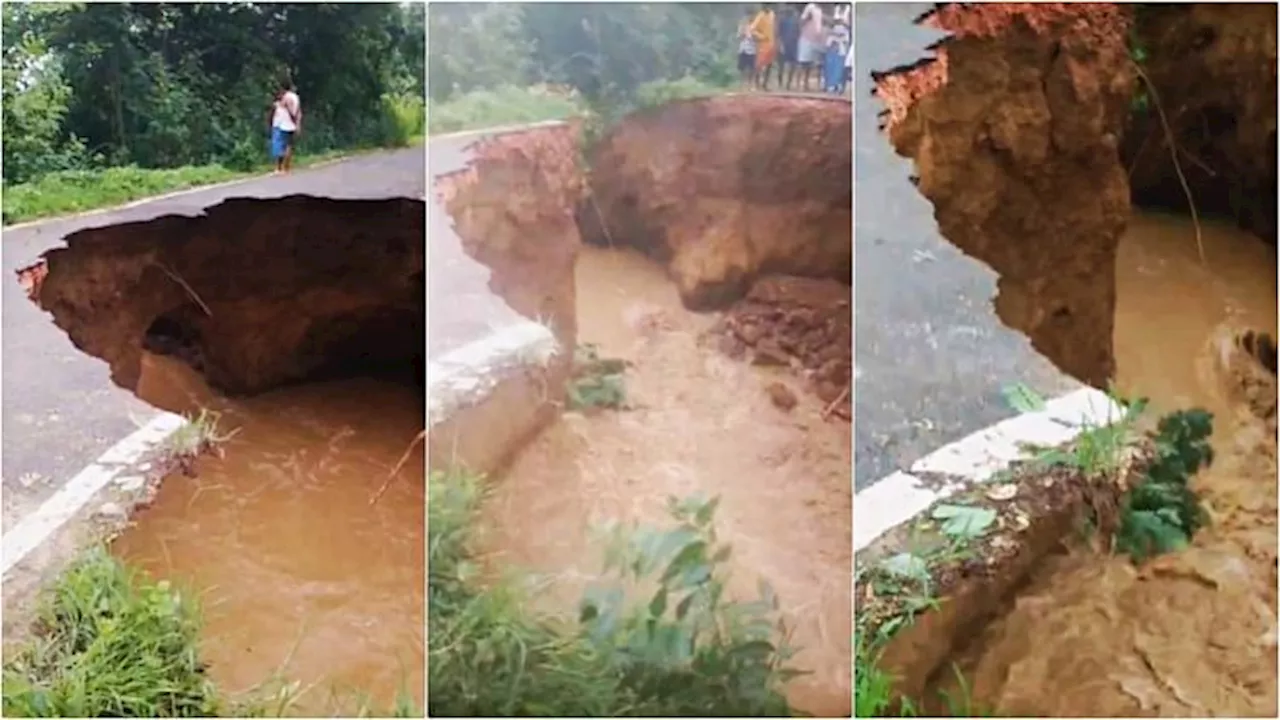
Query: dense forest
<point>160,85</point>
<point>606,51</point>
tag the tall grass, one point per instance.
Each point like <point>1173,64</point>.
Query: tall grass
<point>685,650</point>
<point>505,105</point>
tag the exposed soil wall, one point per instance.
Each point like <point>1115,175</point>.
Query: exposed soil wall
<point>1030,119</point>
<point>1214,68</point>
<point>252,293</point>
<point>724,189</point>
<point>513,209</point>
<point>1014,126</point>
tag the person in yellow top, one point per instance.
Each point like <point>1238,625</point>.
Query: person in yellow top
<point>763,30</point>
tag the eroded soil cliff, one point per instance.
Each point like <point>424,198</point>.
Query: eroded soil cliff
<point>252,293</point>
<point>1015,126</point>
<point>1214,69</point>
<point>723,190</point>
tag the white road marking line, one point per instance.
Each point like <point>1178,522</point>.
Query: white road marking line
<point>30,532</point>
<point>899,497</point>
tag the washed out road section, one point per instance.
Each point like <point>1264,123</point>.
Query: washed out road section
<point>60,409</point>
<point>932,356</point>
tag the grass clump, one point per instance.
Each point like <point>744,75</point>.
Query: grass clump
<point>682,649</point>
<point>110,644</point>
<point>504,105</point>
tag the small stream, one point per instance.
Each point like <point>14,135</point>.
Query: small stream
<point>1191,633</point>
<point>298,574</point>
<point>702,423</point>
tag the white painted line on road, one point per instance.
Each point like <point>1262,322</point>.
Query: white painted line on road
<point>900,497</point>
<point>63,505</point>
<point>465,375</point>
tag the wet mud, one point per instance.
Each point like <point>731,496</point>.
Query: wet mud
<point>1191,633</point>
<point>699,422</point>
<point>299,576</point>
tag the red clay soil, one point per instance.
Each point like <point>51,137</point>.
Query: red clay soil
<point>513,209</point>
<point>1014,127</point>
<point>724,189</point>
<point>796,322</point>
<point>257,293</point>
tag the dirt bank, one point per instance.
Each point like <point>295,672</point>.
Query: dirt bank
<point>1214,67</point>
<point>511,209</point>
<point>252,293</point>
<point>722,190</point>
<point>1014,126</point>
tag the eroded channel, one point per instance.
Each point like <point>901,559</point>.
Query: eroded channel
<point>702,423</point>
<point>298,324</point>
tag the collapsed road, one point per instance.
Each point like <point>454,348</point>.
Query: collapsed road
<point>62,409</point>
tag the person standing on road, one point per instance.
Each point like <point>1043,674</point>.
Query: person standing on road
<point>833,61</point>
<point>789,41</point>
<point>286,123</point>
<point>809,52</point>
<point>746,51</point>
<point>762,29</point>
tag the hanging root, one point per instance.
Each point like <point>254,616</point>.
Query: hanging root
<point>403,459</point>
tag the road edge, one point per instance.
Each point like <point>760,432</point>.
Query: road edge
<point>900,497</point>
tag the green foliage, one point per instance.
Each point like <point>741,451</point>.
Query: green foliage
<point>597,382</point>
<point>166,85</point>
<point>1097,449</point>
<point>661,92</point>
<point>110,645</point>
<point>501,105</point>
<point>964,523</point>
<point>682,650</point>
<point>1162,513</point>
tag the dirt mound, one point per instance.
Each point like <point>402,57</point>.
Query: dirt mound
<point>724,189</point>
<point>797,322</point>
<point>253,293</point>
<point>1014,127</point>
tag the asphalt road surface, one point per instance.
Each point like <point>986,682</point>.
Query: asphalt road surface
<point>60,409</point>
<point>932,357</point>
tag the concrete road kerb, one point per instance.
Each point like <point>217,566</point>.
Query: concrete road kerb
<point>902,496</point>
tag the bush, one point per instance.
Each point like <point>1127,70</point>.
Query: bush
<point>505,105</point>
<point>685,651</point>
<point>661,92</point>
<point>403,119</point>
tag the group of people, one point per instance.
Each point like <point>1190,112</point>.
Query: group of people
<point>797,43</point>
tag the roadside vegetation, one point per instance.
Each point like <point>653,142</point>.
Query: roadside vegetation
<point>514,63</point>
<point>1156,512</point>
<point>657,636</point>
<point>107,103</point>
<point>110,641</point>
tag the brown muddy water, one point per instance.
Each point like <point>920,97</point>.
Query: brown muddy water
<point>1191,633</point>
<point>704,423</point>
<point>299,576</point>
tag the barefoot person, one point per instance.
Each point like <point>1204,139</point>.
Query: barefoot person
<point>746,52</point>
<point>789,44</point>
<point>286,123</point>
<point>812,39</point>
<point>763,29</point>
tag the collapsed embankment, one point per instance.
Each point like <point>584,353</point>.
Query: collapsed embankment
<point>253,294</point>
<point>721,192</point>
<point>1025,126</point>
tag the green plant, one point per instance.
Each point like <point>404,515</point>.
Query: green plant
<point>110,644</point>
<point>684,650</point>
<point>963,523</point>
<point>873,687</point>
<point>1162,513</point>
<point>689,649</point>
<point>597,382</point>
<point>1098,449</point>
<point>200,434</point>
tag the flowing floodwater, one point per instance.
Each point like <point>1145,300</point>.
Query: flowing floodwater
<point>298,574</point>
<point>702,423</point>
<point>1192,633</point>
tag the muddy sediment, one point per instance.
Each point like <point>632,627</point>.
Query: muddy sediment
<point>252,293</point>
<point>1025,127</point>
<point>726,189</point>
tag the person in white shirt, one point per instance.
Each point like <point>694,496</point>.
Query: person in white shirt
<point>809,53</point>
<point>286,123</point>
